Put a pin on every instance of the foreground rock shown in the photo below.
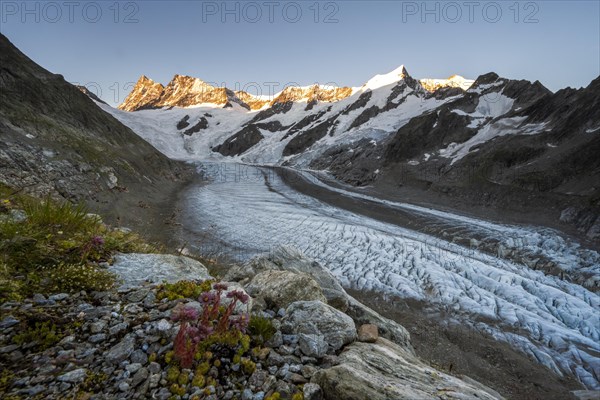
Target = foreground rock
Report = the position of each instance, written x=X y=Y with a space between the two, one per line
x=281 y=288
x=383 y=371
x=118 y=344
x=287 y=258
x=136 y=269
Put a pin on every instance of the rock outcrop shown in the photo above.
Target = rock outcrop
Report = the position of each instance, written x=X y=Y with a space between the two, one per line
x=279 y=289
x=384 y=371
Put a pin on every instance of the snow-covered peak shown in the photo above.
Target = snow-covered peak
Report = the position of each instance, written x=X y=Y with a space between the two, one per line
x=386 y=79
x=458 y=81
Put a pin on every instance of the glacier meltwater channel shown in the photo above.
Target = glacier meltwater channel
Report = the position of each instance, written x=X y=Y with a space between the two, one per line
x=246 y=210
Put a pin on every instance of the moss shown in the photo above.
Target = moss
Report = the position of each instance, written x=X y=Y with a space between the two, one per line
x=94 y=382
x=298 y=396
x=203 y=368
x=6 y=379
x=45 y=334
x=76 y=277
x=177 y=390
x=274 y=396
x=261 y=329
x=152 y=357
x=183 y=379
x=184 y=289
x=169 y=357
x=199 y=380
x=248 y=366
x=173 y=374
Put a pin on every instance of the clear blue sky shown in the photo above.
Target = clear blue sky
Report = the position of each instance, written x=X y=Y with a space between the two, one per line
x=345 y=42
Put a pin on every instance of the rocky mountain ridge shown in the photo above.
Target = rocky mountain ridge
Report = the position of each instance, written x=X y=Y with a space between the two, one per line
x=185 y=91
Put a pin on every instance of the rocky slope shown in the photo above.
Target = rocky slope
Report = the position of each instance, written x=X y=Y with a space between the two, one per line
x=116 y=344
x=57 y=141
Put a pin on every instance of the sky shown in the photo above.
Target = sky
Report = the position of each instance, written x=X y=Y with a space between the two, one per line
x=263 y=46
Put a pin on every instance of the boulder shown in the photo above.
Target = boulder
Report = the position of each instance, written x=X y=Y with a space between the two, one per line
x=281 y=288
x=318 y=318
x=135 y=269
x=385 y=370
x=287 y=258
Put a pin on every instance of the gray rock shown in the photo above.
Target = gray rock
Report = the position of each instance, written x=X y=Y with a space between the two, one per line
x=140 y=376
x=281 y=288
x=59 y=297
x=163 y=394
x=586 y=394
x=318 y=318
x=8 y=349
x=259 y=396
x=135 y=269
x=247 y=394
x=313 y=345
x=39 y=299
x=98 y=338
x=33 y=390
x=257 y=379
x=8 y=321
x=276 y=340
x=275 y=359
x=154 y=367
x=137 y=295
x=139 y=356
x=288 y=258
x=121 y=350
x=133 y=368
x=312 y=391
x=75 y=376
x=115 y=329
x=98 y=326
x=123 y=386
x=163 y=326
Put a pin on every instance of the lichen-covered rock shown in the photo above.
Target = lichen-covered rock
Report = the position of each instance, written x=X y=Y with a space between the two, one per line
x=281 y=288
x=288 y=258
x=318 y=318
x=384 y=370
x=135 y=269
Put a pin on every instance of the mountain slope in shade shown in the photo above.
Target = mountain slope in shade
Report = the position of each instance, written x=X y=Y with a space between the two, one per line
x=57 y=141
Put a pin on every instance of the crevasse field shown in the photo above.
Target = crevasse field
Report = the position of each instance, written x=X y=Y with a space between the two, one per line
x=552 y=320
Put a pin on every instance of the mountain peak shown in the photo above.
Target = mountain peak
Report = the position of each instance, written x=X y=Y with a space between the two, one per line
x=457 y=81
x=143 y=95
x=391 y=77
